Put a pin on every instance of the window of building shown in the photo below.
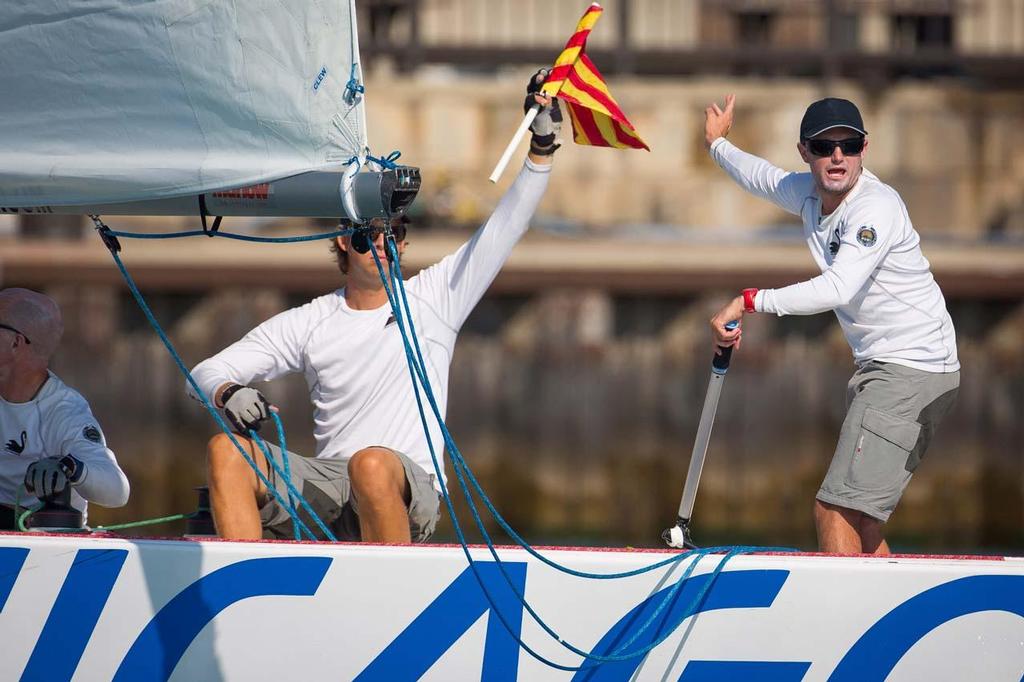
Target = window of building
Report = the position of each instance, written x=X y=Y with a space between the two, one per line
x=915 y=31
x=754 y=28
x=846 y=31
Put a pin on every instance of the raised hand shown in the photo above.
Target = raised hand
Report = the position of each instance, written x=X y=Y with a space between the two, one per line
x=548 y=123
x=718 y=121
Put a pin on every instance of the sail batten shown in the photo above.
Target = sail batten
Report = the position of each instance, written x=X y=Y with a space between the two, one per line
x=112 y=101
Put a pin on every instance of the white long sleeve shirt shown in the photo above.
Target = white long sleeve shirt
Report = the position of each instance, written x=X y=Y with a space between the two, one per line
x=55 y=423
x=873 y=273
x=354 y=361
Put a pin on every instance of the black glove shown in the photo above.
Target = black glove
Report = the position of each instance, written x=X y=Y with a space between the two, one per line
x=548 y=123
x=50 y=475
x=244 y=407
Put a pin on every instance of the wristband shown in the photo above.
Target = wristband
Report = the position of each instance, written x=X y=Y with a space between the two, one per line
x=748 y=300
x=73 y=468
x=542 y=141
x=543 y=145
x=228 y=392
x=545 y=151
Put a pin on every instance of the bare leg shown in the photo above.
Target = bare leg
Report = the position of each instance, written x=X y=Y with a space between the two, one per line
x=234 y=488
x=382 y=491
x=838 y=528
x=871 y=536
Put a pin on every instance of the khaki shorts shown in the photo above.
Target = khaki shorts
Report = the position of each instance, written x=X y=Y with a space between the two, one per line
x=892 y=415
x=325 y=486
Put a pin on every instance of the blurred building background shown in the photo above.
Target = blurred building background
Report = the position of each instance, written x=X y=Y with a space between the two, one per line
x=577 y=383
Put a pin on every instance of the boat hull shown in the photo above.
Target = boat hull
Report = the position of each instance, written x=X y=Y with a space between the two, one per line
x=104 y=608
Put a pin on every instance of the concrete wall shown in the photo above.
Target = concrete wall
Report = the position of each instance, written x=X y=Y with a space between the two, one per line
x=577 y=410
x=980 y=26
x=951 y=152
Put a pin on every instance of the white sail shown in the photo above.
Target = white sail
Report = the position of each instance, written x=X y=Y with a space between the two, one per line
x=127 y=100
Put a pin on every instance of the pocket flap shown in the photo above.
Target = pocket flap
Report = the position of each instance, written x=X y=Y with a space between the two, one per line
x=894 y=429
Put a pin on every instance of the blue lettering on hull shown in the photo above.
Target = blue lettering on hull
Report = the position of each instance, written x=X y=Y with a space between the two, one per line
x=11 y=561
x=73 y=617
x=448 y=617
x=159 y=647
x=730 y=590
x=162 y=643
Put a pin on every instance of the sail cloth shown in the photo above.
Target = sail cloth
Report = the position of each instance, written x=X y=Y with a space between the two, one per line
x=124 y=100
x=596 y=117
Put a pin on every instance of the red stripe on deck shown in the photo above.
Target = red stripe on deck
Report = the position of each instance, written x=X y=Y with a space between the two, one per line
x=550 y=548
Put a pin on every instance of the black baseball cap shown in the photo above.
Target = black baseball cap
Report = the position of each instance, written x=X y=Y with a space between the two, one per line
x=829 y=113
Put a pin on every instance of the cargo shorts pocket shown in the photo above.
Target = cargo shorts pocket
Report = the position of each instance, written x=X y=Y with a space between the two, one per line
x=881 y=459
x=424 y=509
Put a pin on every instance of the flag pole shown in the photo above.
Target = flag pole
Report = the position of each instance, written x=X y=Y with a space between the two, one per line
x=516 y=139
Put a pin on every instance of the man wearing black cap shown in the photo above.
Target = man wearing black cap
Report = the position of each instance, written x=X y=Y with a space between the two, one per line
x=875 y=278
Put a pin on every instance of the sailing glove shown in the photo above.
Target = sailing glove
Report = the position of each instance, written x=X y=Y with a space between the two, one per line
x=244 y=407
x=50 y=475
x=548 y=123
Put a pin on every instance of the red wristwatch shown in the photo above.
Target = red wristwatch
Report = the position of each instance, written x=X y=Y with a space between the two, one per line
x=748 y=300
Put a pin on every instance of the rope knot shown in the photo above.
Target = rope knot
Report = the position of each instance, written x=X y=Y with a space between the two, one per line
x=387 y=161
x=353 y=88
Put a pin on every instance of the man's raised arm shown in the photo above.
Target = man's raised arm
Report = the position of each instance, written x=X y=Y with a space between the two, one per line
x=784 y=189
x=461 y=278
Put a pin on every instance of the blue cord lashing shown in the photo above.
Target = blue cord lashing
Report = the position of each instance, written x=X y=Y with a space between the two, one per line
x=386 y=161
x=353 y=88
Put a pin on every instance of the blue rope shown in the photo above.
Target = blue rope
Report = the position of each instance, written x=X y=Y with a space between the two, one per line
x=460 y=465
x=287 y=470
x=533 y=613
x=417 y=367
x=285 y=460
x=386 y=161
x=231 y=235
x=457 y=455
x=353 y=87
x=220 y=421
x=382 y=161
x=292 y=492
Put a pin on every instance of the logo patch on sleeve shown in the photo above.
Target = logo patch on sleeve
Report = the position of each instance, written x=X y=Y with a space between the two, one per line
x=866 y=235
x=92 y=433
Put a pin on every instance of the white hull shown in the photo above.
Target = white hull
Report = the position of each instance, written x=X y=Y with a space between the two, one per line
x=101 y=609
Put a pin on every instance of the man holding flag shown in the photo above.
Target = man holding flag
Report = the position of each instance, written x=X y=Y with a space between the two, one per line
x=373 y=477
x=596 y=117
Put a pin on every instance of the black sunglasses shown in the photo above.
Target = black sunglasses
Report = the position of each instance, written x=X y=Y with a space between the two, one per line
x=398 y=230
x=363 y=237
x=851 y=146
x=10 y=328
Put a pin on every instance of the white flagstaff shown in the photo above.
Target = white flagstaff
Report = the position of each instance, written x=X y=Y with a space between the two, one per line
x=516 y=139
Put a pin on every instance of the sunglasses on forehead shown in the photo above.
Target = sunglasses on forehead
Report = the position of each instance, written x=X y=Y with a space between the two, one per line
x=851 y=146
x=12 y=329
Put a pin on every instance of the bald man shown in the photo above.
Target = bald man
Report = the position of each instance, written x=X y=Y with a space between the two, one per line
x=49 y=439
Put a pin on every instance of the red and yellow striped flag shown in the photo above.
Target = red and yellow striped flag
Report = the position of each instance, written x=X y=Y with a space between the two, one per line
x=596 y=117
